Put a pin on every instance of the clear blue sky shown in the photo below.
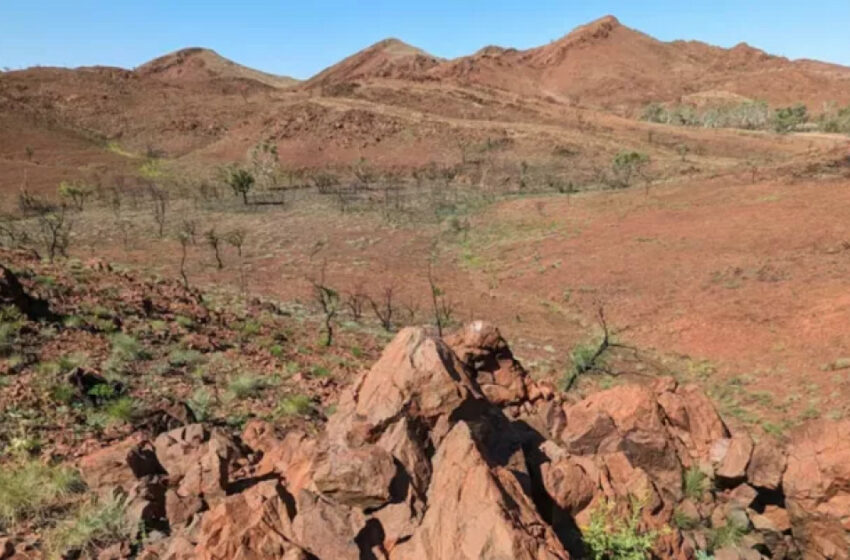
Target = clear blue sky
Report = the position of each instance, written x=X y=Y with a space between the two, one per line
x=300 y=38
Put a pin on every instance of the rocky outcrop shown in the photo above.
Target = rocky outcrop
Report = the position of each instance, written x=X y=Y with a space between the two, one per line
x=448 y=450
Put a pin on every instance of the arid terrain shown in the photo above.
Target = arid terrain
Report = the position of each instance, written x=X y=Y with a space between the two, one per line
x=202 y=261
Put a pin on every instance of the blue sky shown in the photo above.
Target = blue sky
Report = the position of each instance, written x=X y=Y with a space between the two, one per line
x=301 y=38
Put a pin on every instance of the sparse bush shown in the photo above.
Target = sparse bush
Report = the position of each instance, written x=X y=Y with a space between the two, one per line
x=626 y=165
x=201 y=403
x=245 y=386
x=185 y=358
x=92 y=527
x=29 y=488
x=294 y=405
x=385 y=308
x=787 y=119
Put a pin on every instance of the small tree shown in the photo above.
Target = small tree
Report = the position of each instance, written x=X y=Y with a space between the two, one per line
x=77 y=193
x=626 y=165
x=236 y=239
x=241 y=181
x=55 y=230
x=214 y=241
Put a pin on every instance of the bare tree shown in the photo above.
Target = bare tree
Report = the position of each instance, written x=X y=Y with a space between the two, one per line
x=328 y=300
x=441 y=305
x=384 y=308
x=189 y=228
x=184 y=249
x=214 y=241
x=355 y=301
x=159 y=198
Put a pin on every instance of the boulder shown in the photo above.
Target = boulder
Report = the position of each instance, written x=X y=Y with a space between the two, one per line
x=251 y=525
x=417 y=374
x=817 y=477
x=357 y=477
x=119 y=465
x=480 y=346
x=570 y=483
x=767 y=465
x=731 y=457
x=326 y=529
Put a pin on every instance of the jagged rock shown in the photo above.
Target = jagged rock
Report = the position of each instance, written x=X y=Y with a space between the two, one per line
x=417 y=375
x=250 y=525
x=693 y=418
x=817 y=478
x=358 y=477
x=626 y=418
x=731 y=457
x=475 y=512
x=773 y=519
x=325 y=529
x=481 y=347
x=767 y=465
x=120 y=465
x=180 y=449
x=817 y=488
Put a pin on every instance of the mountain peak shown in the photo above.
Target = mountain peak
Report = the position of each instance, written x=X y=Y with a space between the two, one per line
x=193 y=64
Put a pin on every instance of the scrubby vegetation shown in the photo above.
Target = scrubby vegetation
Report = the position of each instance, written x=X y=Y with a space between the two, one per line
x=751 y=115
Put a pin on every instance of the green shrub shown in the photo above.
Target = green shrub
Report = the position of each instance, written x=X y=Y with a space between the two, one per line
x=90 y=528
x=610 y=538
x=626 y=165
x=29 y=488
x=787 y=119
x=294 y=405
x=695 y=483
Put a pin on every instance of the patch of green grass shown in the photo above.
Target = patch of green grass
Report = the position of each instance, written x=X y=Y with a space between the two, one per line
x=29 y=488
x=245 y=385
x=185 y=322
x=276 y=350
x=90 y=528
x=127 y=348
x=729 y=534
x=185 y=358
x=201 y=403
x=683 y=521
x=695 y=483
x=320 y=372
x=115 y=412
x=294 y=405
